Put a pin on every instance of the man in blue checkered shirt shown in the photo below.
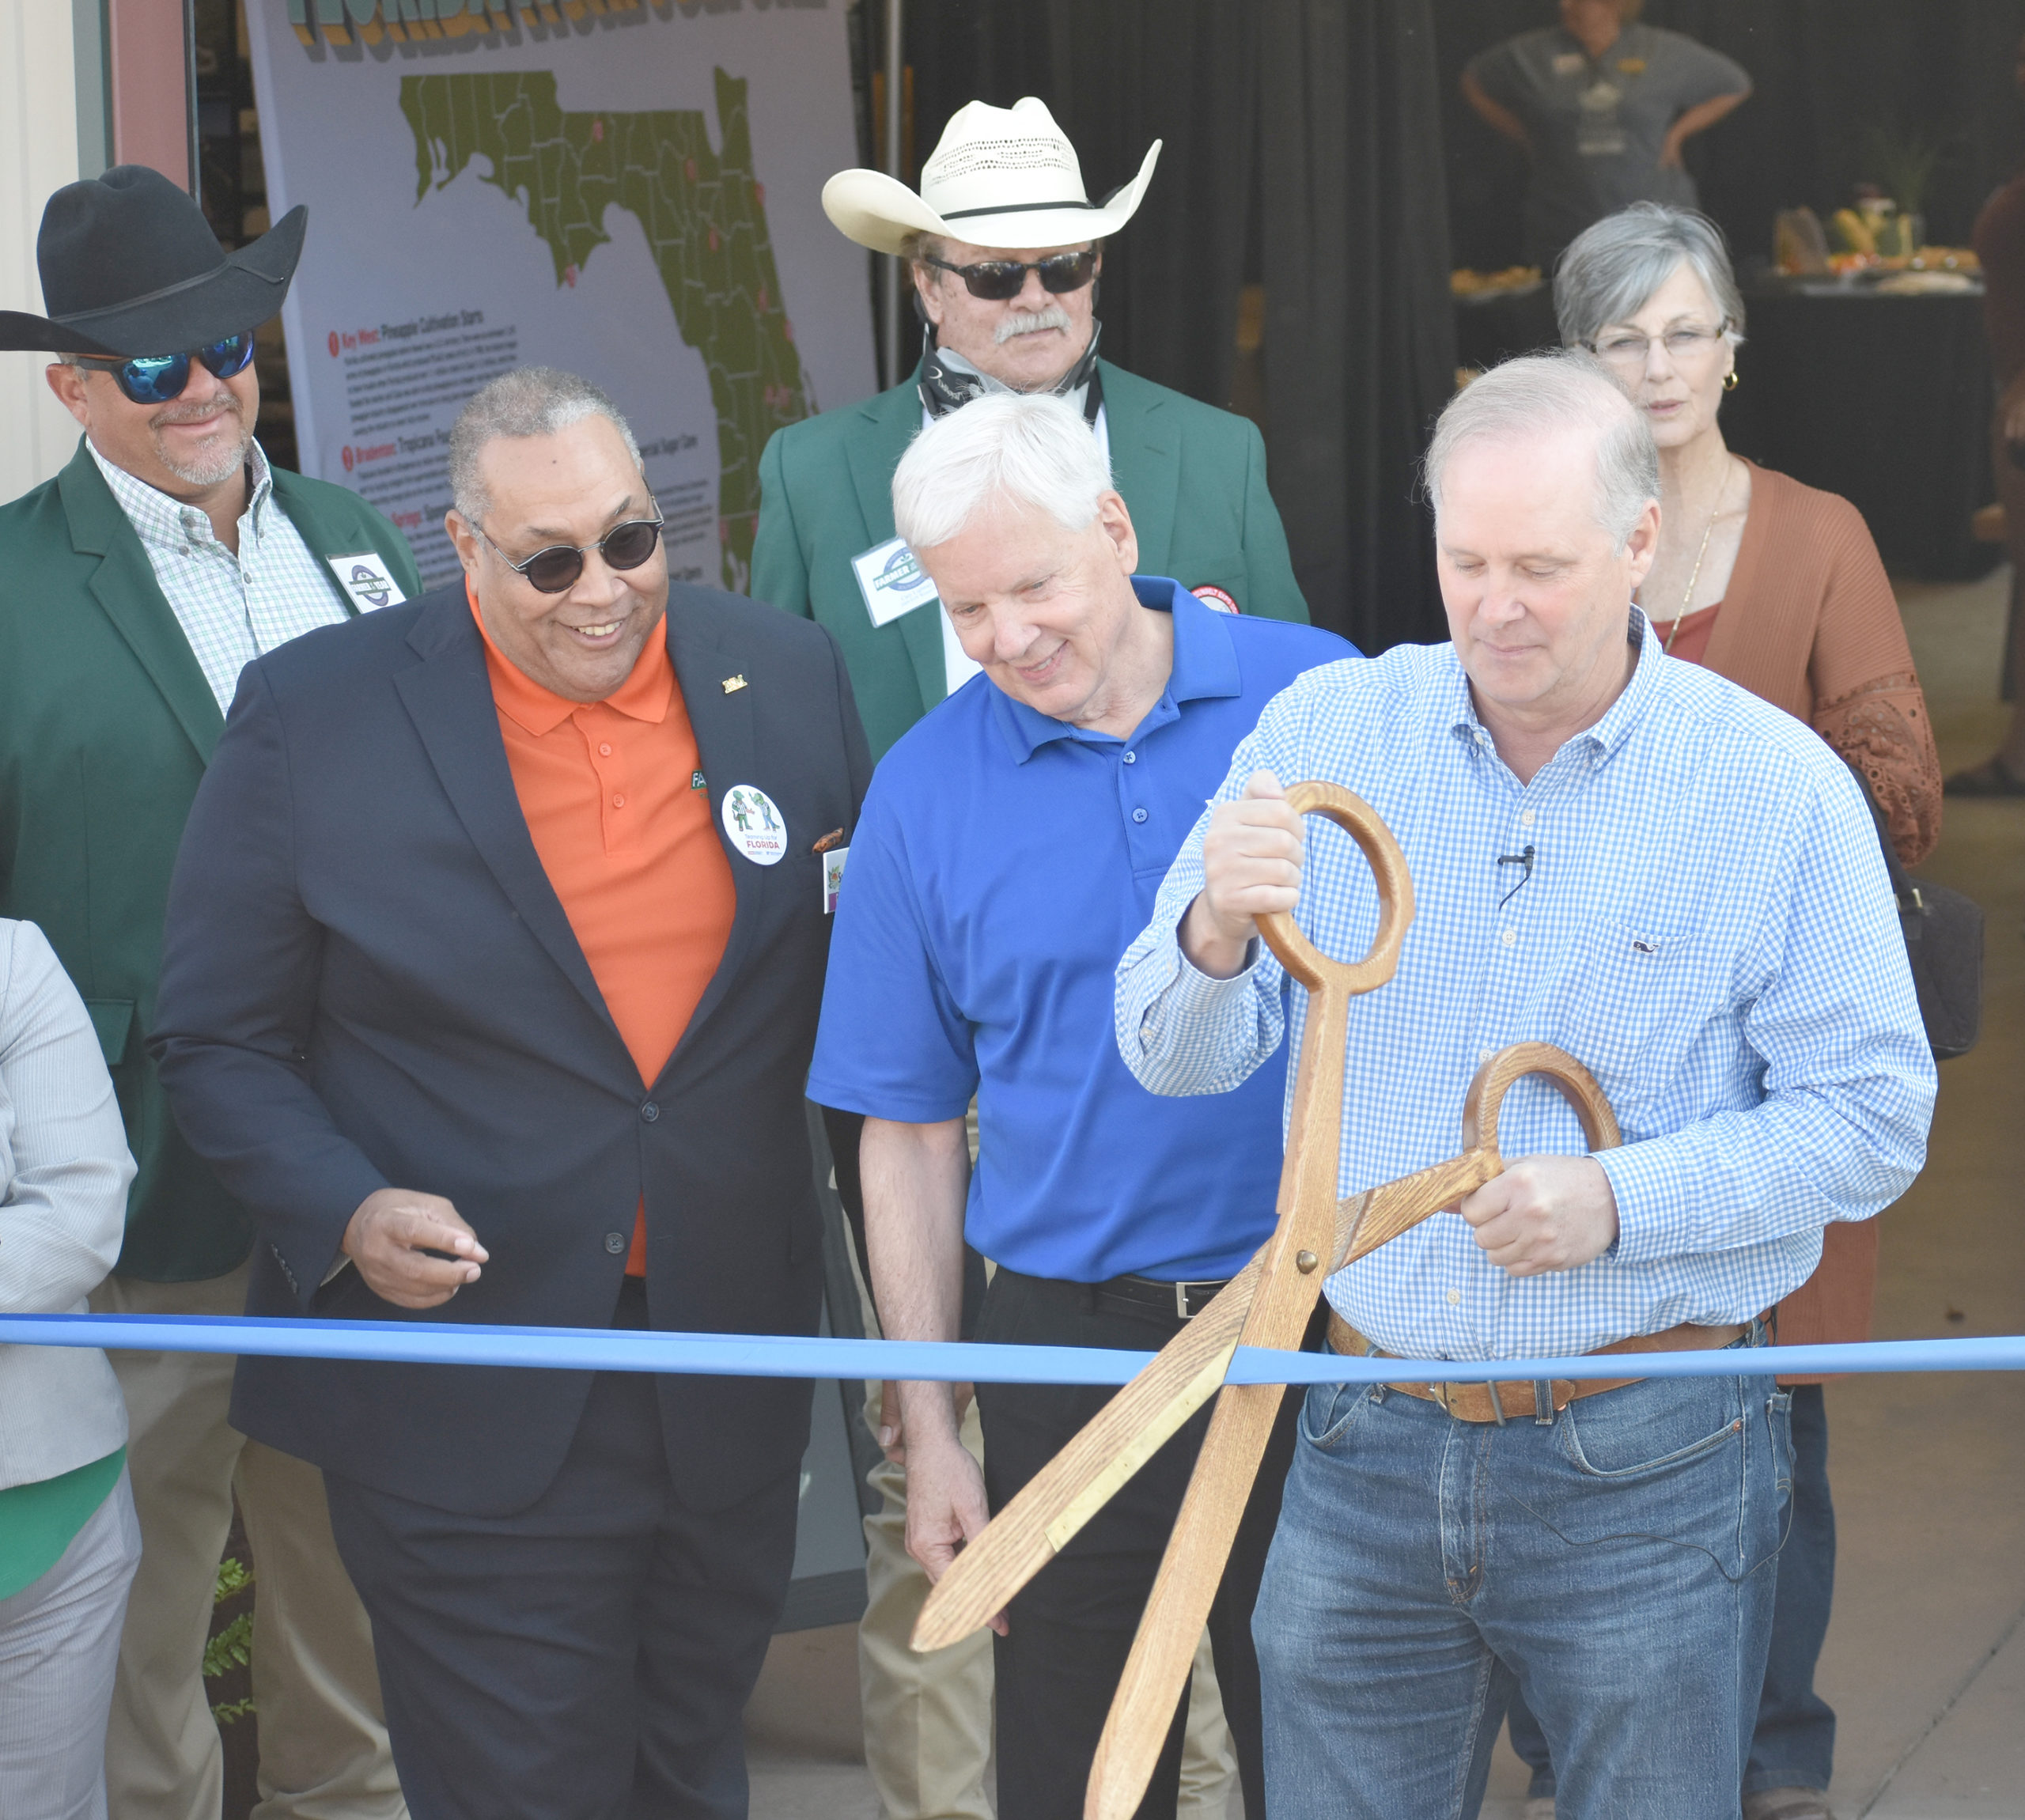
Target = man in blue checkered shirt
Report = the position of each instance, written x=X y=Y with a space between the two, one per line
x=1629 y=856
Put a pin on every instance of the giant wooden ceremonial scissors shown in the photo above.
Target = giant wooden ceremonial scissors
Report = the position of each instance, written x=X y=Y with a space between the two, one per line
x=1268 y=1304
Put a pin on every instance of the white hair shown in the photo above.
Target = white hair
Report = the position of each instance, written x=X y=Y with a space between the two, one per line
x=1034 y=448
x=529 y=401
x=1526 y=399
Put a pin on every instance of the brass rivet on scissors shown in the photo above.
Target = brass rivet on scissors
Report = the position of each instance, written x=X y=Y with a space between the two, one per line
x=1305 y=1262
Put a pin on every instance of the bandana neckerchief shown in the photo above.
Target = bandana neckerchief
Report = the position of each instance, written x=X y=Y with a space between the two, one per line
x=949 y=382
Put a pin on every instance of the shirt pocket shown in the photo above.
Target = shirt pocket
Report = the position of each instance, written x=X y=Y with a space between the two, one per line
x=1630 y=991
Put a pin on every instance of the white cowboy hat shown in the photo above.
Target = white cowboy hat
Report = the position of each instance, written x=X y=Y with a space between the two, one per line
x=1000 y=177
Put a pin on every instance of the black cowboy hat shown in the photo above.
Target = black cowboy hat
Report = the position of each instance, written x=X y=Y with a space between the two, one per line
x=130 y=266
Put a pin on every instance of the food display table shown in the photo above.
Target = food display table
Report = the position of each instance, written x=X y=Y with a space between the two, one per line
x=1884 y=399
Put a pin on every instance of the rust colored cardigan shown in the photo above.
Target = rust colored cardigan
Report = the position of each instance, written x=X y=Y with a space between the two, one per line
x=1809 y=623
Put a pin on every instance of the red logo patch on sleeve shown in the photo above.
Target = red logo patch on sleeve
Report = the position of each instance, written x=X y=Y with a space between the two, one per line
x=1215 y=598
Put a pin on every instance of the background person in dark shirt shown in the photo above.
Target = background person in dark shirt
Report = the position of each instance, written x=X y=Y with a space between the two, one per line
x=1603 y=106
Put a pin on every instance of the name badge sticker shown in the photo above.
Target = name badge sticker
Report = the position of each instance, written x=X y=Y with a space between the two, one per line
x=755 y=824
x=891 y=581
x=365 y=581
x=833 y=877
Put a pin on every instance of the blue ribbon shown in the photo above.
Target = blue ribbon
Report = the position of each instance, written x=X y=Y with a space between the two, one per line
x=783 y=1356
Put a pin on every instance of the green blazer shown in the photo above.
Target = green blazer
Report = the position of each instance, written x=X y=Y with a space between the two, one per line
x=106 y=724
x=1192 y=478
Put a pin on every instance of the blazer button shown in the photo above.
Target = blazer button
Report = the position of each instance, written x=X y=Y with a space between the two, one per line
x=649 y=1111
x=614 y=1242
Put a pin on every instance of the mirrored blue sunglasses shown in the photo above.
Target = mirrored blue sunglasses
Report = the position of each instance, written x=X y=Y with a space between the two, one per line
x=160 y=378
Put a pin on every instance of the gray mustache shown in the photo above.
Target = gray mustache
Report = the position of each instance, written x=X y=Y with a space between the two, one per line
x=1053 y=316
x=181 y=413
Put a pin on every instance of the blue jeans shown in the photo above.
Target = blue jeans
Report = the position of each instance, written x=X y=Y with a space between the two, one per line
x=1615 y=1562
x=1793 y=1746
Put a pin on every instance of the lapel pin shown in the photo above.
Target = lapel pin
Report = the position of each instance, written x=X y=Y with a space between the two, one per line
x=733 y=684
x=833 y=839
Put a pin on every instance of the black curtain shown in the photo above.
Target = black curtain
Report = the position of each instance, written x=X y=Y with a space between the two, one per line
x=1826 y=74
x=1360 y=329
x=1302 y=149
x=1117 y=75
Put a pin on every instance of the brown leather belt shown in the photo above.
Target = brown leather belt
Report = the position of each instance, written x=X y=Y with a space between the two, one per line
x=1500 y=1402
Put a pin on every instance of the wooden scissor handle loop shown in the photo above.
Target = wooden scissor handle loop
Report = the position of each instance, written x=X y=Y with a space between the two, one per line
x=1567 y=1077
x=1299 y=956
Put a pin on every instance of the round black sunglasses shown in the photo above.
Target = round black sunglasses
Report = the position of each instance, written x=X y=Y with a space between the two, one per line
x=555 y=569
x=997 y=280
x=160 y=378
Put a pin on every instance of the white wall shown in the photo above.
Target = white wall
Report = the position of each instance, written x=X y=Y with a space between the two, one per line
x=38 y=155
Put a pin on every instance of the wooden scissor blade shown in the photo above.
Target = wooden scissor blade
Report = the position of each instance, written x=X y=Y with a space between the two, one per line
x=1289 y=1282
x=1025 y=1536
x=1368 y=1220
x=1178 y=1606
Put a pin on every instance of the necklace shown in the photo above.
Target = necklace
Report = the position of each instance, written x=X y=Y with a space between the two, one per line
x=1708 y=530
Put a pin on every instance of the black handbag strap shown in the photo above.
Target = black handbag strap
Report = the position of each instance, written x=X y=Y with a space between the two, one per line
x=1902 y=886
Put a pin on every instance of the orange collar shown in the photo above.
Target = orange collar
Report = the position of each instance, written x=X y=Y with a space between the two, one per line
x=645 y=695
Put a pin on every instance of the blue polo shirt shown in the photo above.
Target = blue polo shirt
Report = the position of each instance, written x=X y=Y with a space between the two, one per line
x=1003 y=863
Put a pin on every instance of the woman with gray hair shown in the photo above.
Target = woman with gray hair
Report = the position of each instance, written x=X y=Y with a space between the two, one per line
x=1779 y=588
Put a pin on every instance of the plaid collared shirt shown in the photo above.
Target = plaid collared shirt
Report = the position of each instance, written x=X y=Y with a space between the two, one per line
x=1707 y=923
x=231 y=608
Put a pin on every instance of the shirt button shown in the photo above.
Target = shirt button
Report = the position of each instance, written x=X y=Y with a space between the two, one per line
x=614 y=1242
x=1509 y=936
x=1484 y=1055
x=1132 y=758
x=1138 y=814
x=605 y=752
x=618 y=802
x=1525 y=816
x=649 y=1111
x=1455 y=1298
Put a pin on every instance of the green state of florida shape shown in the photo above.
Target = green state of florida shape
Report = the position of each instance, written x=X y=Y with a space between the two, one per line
x=705 y=221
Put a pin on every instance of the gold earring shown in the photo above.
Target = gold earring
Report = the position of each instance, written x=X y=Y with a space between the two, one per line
x=1730 y=380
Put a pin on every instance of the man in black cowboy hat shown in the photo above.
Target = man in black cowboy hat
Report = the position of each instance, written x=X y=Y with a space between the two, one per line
x=165 y=556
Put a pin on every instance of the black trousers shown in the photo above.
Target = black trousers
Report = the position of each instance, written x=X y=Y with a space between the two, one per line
x=587 y=1659
x=1072 y=1627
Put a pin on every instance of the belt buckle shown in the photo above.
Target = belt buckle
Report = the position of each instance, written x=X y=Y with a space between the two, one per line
x=1182 y=1310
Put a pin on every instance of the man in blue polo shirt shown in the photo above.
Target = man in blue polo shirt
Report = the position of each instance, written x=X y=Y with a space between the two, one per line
x=1009 y=848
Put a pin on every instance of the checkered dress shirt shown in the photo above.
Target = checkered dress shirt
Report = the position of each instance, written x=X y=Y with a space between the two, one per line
x=231 y=608
x=1708 y=925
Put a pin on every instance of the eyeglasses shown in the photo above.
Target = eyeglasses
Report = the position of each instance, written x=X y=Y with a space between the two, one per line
x=1627 y=353
x=554 y=570
x=160 y=378
x=996 y=280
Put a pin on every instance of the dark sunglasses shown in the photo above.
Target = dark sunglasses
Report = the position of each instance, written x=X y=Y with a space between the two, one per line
x=160 y=378
x=554 y=570
x=996 y=280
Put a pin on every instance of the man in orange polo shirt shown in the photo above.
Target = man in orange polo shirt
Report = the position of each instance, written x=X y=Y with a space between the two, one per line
x=492 y=968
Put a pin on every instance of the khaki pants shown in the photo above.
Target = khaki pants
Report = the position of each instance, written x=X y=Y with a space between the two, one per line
x=324 y=1751
x=928 y=1720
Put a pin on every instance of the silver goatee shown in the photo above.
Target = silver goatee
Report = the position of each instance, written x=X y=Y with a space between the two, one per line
x=221 y=455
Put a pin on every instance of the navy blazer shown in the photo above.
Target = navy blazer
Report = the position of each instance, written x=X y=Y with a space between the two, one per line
x=367 y=981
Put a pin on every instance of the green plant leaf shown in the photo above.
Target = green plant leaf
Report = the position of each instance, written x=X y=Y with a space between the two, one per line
x=233 y=1648
x=234 y=1578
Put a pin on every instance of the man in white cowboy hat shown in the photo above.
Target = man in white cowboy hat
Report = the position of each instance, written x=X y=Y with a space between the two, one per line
x=139 y=582
x=1004 y=249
